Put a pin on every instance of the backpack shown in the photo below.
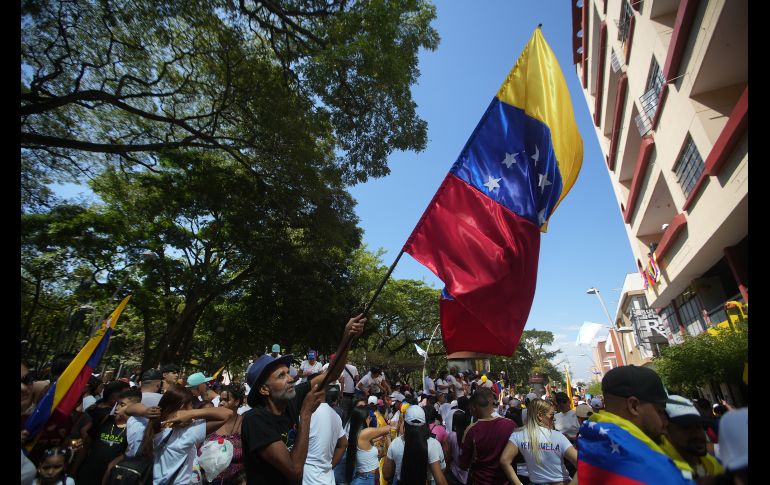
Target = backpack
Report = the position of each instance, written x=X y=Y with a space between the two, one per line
x=136 y=470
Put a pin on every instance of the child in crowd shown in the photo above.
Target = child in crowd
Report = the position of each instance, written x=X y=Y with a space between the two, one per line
x=52 y=469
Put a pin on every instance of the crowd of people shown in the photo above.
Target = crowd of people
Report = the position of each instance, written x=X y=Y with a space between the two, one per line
x=327 y=424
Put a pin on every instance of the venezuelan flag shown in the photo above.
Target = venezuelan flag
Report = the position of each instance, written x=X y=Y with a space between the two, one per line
x=569 y=388
x=63 y=394
x=481 y=232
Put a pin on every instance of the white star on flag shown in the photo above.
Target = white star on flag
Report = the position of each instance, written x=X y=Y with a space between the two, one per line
x=510 y=159
x=541 y=218
x=603 y=431
x=591 y=424
x=536 y=156
x=615 y=447
x=491 y=183
x=543 y=182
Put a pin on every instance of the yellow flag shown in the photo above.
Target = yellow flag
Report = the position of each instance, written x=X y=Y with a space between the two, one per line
x=569 y=388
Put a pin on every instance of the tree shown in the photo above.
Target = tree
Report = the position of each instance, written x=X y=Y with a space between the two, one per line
x=281 y=255
x=705 y=358
x=119 y=81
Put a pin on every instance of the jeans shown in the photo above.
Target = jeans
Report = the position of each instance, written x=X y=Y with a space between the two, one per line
x=366 y=478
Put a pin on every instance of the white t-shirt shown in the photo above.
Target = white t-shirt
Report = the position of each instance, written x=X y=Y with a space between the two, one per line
x=372 y=384
x=28 y=470
x=458 y=386
x=178 y=452
x=88 y=401
x=348 y=383
x=441 y=386
x=435 y=453
x=307 y=369
x=567 y=423
x=553 y=445
x=151 y=399
x=134 y=434
x=325 y=430
x=428 y=386
x=443 y=410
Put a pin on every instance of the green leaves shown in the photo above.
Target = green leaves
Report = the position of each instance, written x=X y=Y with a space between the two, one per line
x=705 y=358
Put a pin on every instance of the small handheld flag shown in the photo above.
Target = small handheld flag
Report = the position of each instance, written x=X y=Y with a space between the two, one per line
x=64 y=393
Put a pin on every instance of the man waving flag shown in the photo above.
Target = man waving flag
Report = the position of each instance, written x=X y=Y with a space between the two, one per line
x=481 y=232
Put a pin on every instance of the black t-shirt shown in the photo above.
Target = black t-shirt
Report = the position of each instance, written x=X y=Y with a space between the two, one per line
x=109 y=441
x=261 y=428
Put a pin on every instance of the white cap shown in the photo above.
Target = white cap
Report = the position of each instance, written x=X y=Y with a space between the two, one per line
x=397 y=396
x=531 y=396
x=372 y=400
x=734 y=439
x=415 y=416
x=453 y=403
x=681 y=410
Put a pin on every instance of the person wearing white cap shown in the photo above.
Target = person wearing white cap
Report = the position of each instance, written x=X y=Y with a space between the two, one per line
x=411 y=456
x=734 y=444
x=685 y=439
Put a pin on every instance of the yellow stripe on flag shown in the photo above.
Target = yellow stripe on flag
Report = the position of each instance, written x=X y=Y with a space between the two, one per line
x=536 y=85
x=216 y=374
x=569 y=389
x=73 y=370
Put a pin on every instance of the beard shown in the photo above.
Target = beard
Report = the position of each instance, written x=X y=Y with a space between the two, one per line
x=287 y=394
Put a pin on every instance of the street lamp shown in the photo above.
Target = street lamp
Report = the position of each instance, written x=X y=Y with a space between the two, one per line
x=595 y=291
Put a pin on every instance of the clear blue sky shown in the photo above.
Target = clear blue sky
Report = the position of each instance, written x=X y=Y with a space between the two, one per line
x=585 y=245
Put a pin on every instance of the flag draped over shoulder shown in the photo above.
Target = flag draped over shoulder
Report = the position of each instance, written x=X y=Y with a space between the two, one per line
x=609 y=454
x=481 y=232
x=63 y=394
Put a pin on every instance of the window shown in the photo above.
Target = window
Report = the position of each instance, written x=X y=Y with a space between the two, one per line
x=668 y=316
x=626 y=14
x=691 y=311
x=689 y=166
x=651 y=96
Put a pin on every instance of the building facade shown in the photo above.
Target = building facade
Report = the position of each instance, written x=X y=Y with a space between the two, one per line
x=666 y=82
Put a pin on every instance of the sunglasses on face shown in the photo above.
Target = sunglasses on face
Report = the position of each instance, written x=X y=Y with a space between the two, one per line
x=28 y=379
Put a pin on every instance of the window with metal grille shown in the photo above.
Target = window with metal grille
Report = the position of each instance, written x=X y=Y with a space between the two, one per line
x=626 y=14
x=668 y=317
x=691 y=311
x=689 y=166
x=651 y=96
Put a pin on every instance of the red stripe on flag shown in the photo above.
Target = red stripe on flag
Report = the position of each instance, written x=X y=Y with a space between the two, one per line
x=588 y=473
x=70 y=400
x=487 y=257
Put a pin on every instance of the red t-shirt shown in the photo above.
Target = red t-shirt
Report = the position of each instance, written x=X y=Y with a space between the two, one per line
x=485 y=441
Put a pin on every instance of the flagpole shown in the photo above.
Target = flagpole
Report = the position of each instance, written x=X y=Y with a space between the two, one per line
x=425 y=359
x=382 y=283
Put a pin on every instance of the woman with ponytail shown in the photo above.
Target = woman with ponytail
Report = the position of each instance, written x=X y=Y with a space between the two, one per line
x=361 y=461
x=543 y=447
x=173 y=449
x=411 y=456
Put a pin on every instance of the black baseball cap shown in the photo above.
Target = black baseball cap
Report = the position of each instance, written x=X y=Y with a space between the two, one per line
x=152 y=375
x=640 y=382
x=169 y=368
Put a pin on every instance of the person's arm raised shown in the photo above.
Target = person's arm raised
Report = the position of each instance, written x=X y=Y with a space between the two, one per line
x=139 y=409
x=291 y=463
x=353 y=329
x=214 y=417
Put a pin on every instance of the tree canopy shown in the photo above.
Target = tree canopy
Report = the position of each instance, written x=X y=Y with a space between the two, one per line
x=705 y=358
x=257 y=82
